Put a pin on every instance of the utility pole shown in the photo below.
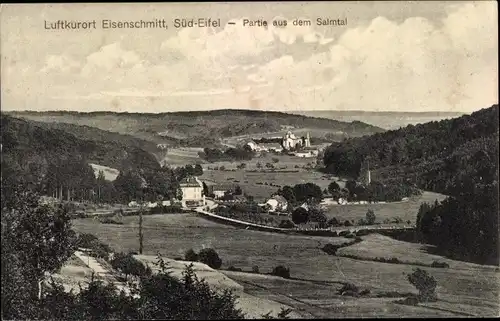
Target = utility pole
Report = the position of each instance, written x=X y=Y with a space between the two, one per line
x=140 y=230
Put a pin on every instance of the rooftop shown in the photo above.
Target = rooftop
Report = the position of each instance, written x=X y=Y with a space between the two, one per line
x=190 y=182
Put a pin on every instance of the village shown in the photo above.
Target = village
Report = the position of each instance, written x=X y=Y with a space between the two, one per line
x=237 y=192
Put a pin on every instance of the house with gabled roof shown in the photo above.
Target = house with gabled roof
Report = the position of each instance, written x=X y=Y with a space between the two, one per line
x=192 y=192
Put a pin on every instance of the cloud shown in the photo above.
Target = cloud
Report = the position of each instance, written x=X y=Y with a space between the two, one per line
x=415 y=64
x=389 y=66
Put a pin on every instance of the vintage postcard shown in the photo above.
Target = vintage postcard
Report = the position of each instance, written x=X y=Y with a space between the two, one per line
x=241 y=160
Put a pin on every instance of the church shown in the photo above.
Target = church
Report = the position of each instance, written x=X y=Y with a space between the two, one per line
x=290 y=141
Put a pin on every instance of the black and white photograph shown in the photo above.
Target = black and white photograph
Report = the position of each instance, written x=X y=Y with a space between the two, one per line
x=249 y=160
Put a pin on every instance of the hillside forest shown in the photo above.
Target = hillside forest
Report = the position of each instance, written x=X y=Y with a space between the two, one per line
x=457 y=157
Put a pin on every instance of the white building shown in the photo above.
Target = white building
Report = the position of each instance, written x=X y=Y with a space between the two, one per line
x=291 y=141
x=277 y=203
x=256 y=147
x=192 y=192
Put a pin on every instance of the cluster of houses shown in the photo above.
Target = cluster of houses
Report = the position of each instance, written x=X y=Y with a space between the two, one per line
x=289 y=142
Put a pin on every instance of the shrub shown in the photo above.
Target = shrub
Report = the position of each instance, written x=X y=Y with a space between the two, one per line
x=347 y=223
x=437 y=264
x=349 y=289
x=333 y=222
x=96 y=247
x=364 y=292
x=191 y=255
x=425 y=284
x=255 y=269
x=233 y=268
x=330 y=248
x=397 y=220
x=128 y=265
x=281 y=271
x=300 y=215
x=210 y=258
x=370 y=217
x=286 y=224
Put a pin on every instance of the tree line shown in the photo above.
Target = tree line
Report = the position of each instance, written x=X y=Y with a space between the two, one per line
x=230 y=154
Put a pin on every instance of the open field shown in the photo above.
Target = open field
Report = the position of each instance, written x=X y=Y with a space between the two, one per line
x=405 y=210
x=472 y=289
x=173 y=234
x=254 y=183
x=110 y=174
x=183 y=156
x=380 y=246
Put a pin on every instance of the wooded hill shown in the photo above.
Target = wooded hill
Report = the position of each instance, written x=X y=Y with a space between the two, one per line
x=434 y=155
x=197 y=129
x=34 y=145
x=457 y=157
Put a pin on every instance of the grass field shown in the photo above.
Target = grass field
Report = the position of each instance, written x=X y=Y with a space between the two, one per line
x=405 y=210
x=318 y=275
x=254 y=183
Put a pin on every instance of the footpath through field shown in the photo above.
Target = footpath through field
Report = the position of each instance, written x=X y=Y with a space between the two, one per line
x=101 y=271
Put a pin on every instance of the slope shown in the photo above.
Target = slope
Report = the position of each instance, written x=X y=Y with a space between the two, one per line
x=433 y=155
x=197 y=129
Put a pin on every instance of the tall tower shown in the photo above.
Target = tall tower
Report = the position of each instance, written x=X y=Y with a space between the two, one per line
x=308 y=140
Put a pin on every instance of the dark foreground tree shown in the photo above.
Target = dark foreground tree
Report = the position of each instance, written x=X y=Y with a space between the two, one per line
x=158 y=296
x=36 y=239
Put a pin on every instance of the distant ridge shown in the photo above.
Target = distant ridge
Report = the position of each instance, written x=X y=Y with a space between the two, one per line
x=199 y=128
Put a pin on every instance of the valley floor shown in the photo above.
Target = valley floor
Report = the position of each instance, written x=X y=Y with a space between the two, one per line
x=464 y=289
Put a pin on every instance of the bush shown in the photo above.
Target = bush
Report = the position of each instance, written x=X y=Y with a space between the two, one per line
x=96 y=247
x=397 y=220
x=370 y=217
x=191 y=255
x=425 y=284
x=330 y=248
x=210 y=258
x=255 y=269
x=300 y=215
x=437 y=264
x=349 y=289
x=286 y=224
x=347 y=223
x=333 y=222
x=128 y=265
x=281 y=271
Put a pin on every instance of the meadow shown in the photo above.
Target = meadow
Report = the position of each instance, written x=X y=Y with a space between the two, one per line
x=406 y=210
x=263 y=183
x=473 y=289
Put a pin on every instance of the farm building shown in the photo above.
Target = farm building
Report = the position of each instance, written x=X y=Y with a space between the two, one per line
x=256 y=147
x=273 y=147
x=192 y=192
x=219 y=189
x=277 y=203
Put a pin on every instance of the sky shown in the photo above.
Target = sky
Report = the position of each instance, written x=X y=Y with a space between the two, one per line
x=390 y=56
